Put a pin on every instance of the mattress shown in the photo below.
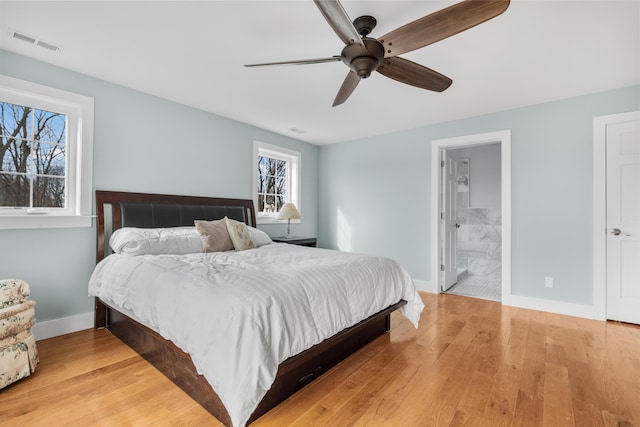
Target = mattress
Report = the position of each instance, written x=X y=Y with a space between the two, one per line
x=239 y=314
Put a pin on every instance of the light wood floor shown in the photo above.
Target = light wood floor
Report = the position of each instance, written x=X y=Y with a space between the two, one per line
x=471 y=362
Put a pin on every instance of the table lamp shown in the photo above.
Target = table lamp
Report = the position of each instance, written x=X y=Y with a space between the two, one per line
x=288 y=212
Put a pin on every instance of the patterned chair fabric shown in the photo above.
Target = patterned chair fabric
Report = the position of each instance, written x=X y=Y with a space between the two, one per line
x=18 y=352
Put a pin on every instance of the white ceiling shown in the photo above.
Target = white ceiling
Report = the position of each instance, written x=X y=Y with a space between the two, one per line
x=193 y=53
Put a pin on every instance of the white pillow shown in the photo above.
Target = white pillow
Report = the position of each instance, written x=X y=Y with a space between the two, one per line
x=156 y=241
x=259 y=237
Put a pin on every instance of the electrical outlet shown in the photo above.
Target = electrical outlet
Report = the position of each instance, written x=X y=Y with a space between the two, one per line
x=548 y=282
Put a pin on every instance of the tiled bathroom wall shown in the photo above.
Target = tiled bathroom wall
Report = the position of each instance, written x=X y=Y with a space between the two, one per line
x=479 y=236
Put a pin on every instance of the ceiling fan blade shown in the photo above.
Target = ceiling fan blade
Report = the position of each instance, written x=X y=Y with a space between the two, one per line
x=348 y=86
x=338 y=19
x=300 y=62
x=413 y=74
x=440 y=25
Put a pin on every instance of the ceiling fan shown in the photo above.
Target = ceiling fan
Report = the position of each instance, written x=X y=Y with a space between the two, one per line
x=364 y=55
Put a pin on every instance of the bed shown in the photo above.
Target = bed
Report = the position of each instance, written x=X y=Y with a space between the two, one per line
x=188 y=365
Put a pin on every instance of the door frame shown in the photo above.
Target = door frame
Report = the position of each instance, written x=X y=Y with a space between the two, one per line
x=437 y=146
x=600 y=124
x=449 y=224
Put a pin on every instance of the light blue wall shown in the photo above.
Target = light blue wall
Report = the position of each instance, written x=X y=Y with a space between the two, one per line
x=375 y=193
x=142 y=143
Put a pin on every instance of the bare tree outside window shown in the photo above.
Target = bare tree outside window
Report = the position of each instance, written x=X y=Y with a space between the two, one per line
x=33 y=153
x=272 y=184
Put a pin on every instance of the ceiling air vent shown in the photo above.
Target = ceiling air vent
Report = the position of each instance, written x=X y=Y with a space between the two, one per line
x=33 y=40
x=23 y=37
x=46 y=45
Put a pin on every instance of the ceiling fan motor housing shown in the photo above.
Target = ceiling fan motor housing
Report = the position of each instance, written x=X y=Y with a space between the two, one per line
x=363 y=60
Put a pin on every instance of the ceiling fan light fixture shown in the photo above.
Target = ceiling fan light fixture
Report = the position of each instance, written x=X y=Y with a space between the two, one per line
x=363 y=66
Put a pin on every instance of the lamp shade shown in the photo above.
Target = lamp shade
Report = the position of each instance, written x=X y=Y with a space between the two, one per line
x=288 y=211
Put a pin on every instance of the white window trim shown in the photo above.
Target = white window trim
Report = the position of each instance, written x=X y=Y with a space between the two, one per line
x=79 y=111
x=295 y=160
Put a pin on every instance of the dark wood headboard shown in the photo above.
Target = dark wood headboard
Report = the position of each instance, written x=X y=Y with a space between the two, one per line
x=116 y=209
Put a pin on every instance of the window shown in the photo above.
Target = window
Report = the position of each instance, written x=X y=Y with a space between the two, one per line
x=276 y=178
x=46 y=151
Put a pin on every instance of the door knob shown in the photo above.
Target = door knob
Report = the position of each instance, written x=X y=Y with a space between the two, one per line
x=616 y=231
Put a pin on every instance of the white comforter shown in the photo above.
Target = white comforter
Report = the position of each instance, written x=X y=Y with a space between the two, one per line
x=240 y=314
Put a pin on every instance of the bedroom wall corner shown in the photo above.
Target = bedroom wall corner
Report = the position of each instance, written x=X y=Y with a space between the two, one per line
x=425 y=286
x=374 y=195
x=373 y=198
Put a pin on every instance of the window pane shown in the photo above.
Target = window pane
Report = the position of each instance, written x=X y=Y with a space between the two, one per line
x=266 y=165
x=50 y=159
x=270 y=203
x=262 y=184
x=263 y=165
x=281 y=186
x=16 y=155
x=8 y=162
x=50 y=127
x=270 y=185
x=273 y=166
x=280 y=200
x=48 y=192
x=14 y=190
x=15 y=121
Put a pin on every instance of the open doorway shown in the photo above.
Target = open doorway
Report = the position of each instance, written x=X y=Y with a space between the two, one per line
x=478 y=216
x=471 y=215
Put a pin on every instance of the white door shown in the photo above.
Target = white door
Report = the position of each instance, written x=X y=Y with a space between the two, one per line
x=449 y=219
x=623 y=221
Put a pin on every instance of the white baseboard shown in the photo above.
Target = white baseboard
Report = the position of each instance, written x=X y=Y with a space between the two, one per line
x=550 y=306
x=64 y=325
x=424 y=286
x=558 y=307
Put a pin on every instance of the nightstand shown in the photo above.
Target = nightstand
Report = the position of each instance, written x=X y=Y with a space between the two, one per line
x=295 y=240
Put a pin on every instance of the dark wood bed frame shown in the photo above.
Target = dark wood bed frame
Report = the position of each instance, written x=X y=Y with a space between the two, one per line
x=129 y=209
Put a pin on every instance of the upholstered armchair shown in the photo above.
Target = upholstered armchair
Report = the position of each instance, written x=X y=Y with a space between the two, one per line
x=18 y=352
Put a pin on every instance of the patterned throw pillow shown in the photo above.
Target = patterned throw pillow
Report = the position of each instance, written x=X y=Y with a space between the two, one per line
x=240 y=235
x=214 y=234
